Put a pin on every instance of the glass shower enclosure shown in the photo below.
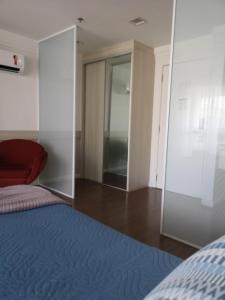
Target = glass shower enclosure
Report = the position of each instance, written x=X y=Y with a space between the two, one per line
x=194 y=194
x=57 y=72
x=117 y=104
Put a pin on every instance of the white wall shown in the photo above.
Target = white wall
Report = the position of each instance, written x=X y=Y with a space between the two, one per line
x=162 y=58
x=18 y=93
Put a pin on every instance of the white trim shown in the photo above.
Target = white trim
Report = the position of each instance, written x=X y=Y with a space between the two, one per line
x=169 y=96
x=74 y=111
x=57 y=33
x=180 y=240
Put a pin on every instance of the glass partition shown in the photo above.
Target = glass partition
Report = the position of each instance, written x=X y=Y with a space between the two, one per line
x=117 y=121
x=57 y=110
x=194 y=196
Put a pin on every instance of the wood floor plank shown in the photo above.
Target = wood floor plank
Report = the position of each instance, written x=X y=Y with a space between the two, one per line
x=136 y=214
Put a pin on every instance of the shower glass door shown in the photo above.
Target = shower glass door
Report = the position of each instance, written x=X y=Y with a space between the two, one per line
x=117 y=104
x=194 y=195
x=57 y=61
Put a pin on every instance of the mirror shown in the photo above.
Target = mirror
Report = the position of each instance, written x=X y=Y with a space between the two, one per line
x=117 y=102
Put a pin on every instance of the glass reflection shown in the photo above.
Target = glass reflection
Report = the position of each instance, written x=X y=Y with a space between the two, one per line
x=117 y=121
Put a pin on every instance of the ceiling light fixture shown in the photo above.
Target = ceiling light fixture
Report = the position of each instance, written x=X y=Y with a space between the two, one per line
x=138 y=21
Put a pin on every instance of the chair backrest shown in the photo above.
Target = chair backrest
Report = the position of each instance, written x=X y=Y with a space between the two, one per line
x=20 y=152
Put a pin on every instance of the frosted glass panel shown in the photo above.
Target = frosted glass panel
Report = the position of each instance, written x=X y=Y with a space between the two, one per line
x=56 y=106
x=194 y=200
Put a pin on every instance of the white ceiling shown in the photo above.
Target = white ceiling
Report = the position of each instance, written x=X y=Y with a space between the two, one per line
x=106 y=21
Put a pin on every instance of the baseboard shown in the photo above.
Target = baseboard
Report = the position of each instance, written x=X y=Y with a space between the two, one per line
x=18 y=134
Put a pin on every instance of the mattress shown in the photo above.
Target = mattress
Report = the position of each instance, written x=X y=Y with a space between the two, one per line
x=55 y=252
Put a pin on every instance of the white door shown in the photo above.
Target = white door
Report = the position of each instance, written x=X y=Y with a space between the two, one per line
x=164 y=105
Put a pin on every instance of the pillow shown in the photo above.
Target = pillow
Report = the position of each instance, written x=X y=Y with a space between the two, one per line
x=202 y=276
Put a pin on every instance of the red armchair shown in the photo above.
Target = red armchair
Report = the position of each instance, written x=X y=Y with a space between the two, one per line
x=21 y=161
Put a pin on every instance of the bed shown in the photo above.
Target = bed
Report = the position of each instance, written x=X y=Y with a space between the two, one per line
x=50 y=251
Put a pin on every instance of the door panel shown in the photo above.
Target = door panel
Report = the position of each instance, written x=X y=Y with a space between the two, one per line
x=57 y=110
x=117 y=121
x=94 y=120
x=194 y=196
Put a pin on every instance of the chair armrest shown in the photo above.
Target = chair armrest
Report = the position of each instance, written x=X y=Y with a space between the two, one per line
x=1 y=160
x=37 y=166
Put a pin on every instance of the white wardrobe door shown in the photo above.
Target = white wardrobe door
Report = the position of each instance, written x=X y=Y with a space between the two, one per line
x=94 y=120
x=57 y=110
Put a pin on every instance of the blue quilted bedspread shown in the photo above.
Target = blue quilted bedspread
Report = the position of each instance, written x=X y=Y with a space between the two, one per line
x=55 y=252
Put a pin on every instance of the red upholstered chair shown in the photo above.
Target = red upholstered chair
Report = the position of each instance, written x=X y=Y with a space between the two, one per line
x=21 y=161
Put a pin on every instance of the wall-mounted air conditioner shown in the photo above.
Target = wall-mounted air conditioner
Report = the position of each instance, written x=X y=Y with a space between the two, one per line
x=11 y=61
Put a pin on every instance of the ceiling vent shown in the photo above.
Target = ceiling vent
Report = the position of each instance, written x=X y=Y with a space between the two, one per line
x=138 y=21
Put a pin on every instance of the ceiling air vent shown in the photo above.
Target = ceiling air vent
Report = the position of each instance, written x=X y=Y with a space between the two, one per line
x=138 y=21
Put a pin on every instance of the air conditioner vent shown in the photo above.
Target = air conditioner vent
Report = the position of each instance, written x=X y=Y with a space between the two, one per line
x=11 y=61
x=10 y=69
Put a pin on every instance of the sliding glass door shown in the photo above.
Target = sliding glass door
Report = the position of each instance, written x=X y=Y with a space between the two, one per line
x=194 y=196
x=117 y=103
x=57 y=110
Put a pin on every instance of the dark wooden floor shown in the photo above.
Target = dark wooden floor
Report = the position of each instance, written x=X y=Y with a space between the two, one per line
x=137 y=214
